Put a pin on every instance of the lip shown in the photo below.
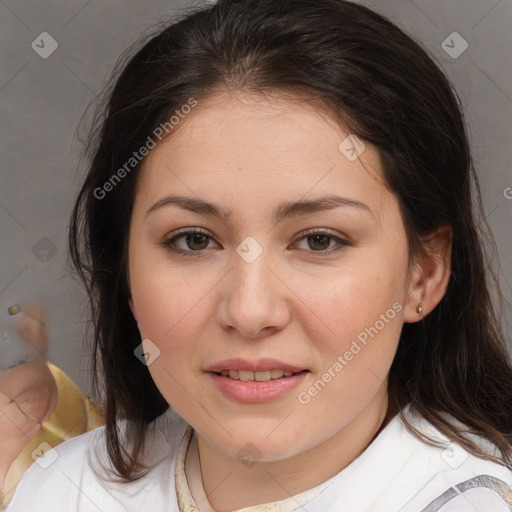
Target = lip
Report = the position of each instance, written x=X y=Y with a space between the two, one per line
x=254 y=391
x=260 y=365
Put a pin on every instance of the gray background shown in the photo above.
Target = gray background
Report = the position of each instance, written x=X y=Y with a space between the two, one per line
x=43 y=100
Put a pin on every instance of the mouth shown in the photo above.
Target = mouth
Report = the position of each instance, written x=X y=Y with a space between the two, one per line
x=261 y=376
x=255 y=382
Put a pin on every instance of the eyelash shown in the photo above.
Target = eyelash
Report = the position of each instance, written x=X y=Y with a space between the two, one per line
x=309 y=232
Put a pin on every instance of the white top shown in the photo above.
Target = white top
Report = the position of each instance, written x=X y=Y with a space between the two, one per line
x=396 y=473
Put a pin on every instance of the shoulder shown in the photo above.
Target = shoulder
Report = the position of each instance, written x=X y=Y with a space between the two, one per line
x=72 y=476
x=447 y=477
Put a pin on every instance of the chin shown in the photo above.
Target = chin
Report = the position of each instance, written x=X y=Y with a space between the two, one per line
x=258 y=447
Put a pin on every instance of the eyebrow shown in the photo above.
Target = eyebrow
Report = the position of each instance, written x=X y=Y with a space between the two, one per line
x=284 y=210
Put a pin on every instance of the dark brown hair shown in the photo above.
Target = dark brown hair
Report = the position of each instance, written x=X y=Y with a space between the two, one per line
x=380 y=83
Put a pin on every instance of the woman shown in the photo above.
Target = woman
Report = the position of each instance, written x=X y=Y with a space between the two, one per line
x=277 y=236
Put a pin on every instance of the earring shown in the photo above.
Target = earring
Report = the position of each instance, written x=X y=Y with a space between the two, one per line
x=420 y=310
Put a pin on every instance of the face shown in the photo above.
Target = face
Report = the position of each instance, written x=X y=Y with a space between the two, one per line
x=316 y=289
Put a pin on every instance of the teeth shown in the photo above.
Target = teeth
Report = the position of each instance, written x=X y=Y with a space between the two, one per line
x=247 y=375
x=263 y=376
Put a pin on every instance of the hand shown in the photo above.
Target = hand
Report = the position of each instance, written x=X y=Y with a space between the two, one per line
x=28 y=393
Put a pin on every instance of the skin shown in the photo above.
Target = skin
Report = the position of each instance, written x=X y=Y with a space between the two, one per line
x=247 y=154
x=28 y=393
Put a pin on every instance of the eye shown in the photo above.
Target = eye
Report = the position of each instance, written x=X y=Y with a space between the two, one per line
x=196 y=240
x=320 y=239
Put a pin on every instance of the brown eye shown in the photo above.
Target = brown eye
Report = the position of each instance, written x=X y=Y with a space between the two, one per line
x=194 y=241
x=320 y=241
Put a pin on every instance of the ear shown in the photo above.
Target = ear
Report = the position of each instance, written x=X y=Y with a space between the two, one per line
x=430 y=275
x=133 y=309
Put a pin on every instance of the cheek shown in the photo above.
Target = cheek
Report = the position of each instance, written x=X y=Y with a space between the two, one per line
x=354 y=299
x=166 y=313
x=171 y=312
x=357 y=341
x=171 y=303
x=355 y=320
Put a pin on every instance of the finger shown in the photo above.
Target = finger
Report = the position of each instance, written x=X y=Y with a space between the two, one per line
x=32 y=387
x=36 y=311
x=33 y=332
x=13 y=420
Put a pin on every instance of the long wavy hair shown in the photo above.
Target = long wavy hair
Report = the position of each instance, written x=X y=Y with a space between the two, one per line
x=369 y=75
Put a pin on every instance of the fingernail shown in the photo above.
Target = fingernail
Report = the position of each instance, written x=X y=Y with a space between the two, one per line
x=14 y=310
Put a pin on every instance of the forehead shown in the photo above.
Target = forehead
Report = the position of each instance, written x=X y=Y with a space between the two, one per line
x=280 y=144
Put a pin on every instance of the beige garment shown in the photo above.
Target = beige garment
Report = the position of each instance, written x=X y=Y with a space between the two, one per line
x=190 y=491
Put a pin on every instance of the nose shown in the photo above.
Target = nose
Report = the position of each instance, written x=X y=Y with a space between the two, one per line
x=255 y=301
